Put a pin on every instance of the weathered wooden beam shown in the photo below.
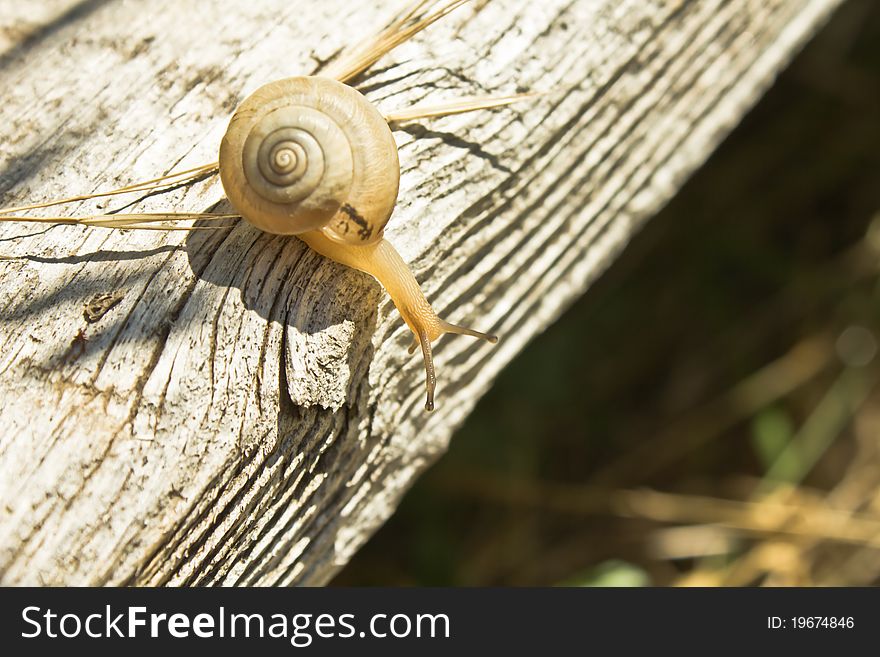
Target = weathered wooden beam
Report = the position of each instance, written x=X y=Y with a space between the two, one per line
x=230 y=408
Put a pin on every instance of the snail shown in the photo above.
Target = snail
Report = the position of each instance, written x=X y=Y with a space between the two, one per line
x=311 y=156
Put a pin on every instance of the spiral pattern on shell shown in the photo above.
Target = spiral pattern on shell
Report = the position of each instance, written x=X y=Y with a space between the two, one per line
x=311 y=153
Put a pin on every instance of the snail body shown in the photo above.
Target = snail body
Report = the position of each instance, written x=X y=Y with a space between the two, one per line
x=312 y=157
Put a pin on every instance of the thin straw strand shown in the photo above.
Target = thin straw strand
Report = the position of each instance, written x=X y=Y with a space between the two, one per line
x=360 y=57
x=457 y=107
x=143 y=221
x=171 y=180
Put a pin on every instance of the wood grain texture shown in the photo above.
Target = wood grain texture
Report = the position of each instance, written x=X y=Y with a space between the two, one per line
x=245 y=412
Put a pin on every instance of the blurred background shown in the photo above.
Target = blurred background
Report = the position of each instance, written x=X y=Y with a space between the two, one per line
x=709 y=412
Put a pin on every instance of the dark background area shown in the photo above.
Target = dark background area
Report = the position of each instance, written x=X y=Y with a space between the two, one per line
x=708 y=413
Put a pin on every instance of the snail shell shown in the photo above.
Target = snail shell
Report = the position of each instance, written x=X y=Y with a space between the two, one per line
x=311 y=153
